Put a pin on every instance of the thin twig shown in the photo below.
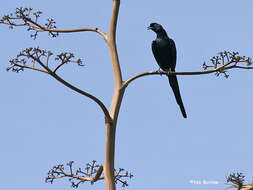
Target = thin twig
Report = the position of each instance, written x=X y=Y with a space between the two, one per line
x=98 y=174
x=32 y=68
x=59 y=66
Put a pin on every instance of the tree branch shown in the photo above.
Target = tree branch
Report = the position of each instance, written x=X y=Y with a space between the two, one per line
x=127 y=82
x=101 y=105
x=75 y=177
x=78 y=30
x=21 y=67
x=98 y=174
x=36 y=54
x=24 y=15
x=232 y=62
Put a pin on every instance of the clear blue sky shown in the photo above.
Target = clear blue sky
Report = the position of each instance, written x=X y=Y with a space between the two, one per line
x=44 y=123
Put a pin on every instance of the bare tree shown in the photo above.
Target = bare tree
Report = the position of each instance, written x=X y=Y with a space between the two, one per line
x=39 y=60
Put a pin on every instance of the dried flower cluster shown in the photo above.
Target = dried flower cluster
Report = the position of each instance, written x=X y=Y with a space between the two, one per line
x=227 y=60
x=237 y=181
x=236 y=178
x=121 y=173
x=37 y=59
x=25 y=17
x=92 y=173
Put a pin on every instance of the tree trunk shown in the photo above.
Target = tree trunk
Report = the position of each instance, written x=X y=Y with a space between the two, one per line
x=116 y=101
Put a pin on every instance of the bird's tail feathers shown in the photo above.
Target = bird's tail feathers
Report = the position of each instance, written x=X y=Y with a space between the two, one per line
x=174 y=85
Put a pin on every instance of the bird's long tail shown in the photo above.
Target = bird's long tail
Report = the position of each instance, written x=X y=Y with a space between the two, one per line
x=174 y=85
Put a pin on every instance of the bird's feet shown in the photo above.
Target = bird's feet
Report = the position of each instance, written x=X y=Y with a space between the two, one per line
x=159 y=71
x=169 y=71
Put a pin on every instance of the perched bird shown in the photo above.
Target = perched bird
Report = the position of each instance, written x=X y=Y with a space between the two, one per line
x=165 y=53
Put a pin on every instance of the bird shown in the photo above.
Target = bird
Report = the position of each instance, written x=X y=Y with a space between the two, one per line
x=165 y=53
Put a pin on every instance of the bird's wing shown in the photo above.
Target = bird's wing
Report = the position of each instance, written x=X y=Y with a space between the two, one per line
x=155 y=52
x=173 y=54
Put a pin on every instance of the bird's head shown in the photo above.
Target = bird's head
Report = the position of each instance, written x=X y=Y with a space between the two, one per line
x=155 y=27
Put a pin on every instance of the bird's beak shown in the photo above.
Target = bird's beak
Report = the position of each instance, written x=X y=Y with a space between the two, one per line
x=149 y=28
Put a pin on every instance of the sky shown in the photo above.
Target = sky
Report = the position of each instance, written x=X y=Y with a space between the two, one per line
x=43 y=123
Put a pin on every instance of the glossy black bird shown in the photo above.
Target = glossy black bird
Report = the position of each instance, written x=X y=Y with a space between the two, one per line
x=165 y=53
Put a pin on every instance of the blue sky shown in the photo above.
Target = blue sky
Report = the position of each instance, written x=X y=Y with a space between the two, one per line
x=43 y=123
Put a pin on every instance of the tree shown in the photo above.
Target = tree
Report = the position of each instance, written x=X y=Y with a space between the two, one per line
x=38 y=59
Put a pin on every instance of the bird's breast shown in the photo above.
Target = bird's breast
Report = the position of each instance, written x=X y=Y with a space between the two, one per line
x=164 y=54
